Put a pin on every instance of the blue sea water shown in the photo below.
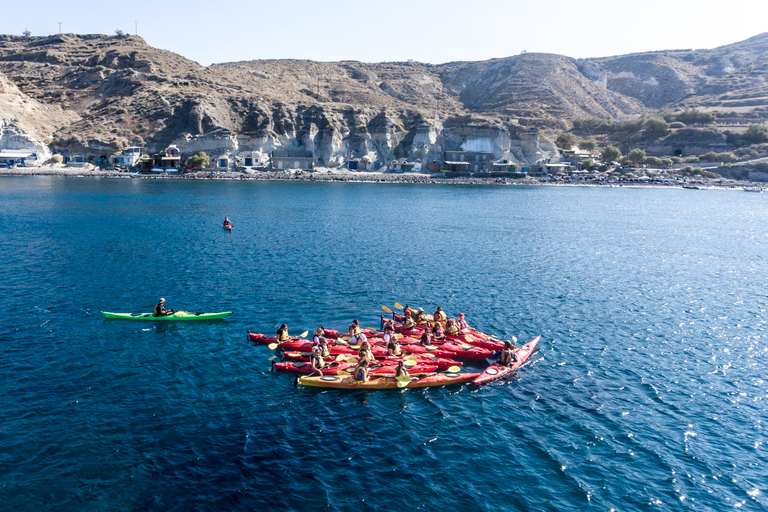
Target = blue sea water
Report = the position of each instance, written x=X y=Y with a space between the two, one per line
x=648 y=391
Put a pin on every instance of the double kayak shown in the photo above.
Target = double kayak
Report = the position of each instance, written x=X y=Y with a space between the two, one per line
x=496 y=371
x=386 y=382
x=179 y=315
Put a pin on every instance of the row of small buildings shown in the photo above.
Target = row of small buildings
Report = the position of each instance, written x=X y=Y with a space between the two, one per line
x=458 y=162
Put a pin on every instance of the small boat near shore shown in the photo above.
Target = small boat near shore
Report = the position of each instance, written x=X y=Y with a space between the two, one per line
x=177 y=316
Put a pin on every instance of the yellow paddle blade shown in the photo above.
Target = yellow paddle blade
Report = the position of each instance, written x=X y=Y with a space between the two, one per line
x=398 y=305
x=351 y=360
x=514 y=339
x=467 y=337
x=399 y=335
x=465 y=346
x=341 y=357
x=341 y=341
x=430 y=347
x=454 y=369
x=304 y=334
x=342 y=373
x=345 y=338
x=385 y=308
x=273 y=346
x=409 y=363
x=403 y=381
x=355 y=347
x=410 y=356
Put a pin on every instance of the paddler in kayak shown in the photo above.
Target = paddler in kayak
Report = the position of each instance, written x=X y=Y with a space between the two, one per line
x=160 y=309
x=227 y=223
x=317 y=335
x=507 y=356
x=325 y=350
x=400 y=371
x=408 y=322
x=452 y=327
x=438 y=333
x=421 y=317
x=463 y=323
x=439 y=316
x=425 y=339
x=361 y=371
x=393 y=344
x=365 y=352
x=282 y=333
x=317 y=360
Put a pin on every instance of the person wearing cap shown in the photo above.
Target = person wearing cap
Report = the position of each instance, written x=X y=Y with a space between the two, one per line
x=462 y=323
x=421 y=317
x=507 y=356
x=408 y=322
x=160 y=309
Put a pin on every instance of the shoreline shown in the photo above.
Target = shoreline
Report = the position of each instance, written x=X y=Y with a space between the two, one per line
x=329 y=175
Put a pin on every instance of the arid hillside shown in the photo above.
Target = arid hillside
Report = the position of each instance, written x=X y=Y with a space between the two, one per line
x=92 y=93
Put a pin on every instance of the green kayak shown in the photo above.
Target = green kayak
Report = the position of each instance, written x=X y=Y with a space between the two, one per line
x=179 y=315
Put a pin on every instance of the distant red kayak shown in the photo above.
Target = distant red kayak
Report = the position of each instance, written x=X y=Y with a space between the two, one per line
x=496 y=371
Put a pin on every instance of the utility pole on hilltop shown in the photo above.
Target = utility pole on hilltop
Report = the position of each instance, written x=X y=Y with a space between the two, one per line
x=59 y=27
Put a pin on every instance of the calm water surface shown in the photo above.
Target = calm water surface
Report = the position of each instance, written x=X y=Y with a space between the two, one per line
x=648 y=392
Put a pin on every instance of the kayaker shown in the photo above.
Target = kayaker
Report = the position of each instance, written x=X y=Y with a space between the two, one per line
x=400 y=371
x=507 y=356
x=462 y=323
x=361 y=371
x=408 y=322
x=452 y=327
x=365 y=352
x=393 y=344
x=325 y=350
x=227 y=223
x=317 y=335
x=439 y=316
x=425 y=339
x=354 y=329
x=282 y=333
x=438 y=332
x=421 y=317
x=160 y=309
x=317 y=361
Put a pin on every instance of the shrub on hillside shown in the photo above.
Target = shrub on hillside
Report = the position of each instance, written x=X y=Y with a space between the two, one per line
x=199 y=160
x=588 y=145
x=565 y=140
x=757 y=133
x=611 y=154
x=655 y=124
x=693 y=116
x=636 y=156
x=57 y=159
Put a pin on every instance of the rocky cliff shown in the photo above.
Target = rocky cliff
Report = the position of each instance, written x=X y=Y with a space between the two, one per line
x=91 y=93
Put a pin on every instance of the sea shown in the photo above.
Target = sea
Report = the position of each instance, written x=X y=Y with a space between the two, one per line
x=648 y=391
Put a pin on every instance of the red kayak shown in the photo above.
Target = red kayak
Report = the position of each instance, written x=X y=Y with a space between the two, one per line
x=337 y=366
x=496 y=370
x=228 y=227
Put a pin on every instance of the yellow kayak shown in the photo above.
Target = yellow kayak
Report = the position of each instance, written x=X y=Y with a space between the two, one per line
x=386 y=382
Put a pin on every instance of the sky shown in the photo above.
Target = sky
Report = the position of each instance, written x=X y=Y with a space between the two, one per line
x=428 y=31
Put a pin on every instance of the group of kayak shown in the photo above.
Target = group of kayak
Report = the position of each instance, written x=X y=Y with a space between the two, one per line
x=409 y=350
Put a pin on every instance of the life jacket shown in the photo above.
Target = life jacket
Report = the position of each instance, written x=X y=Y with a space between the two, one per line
x=160 y=310
x=440 y=317
x=451 y=328
x=409 y=323
x=421 y=319
x=282 y=335
x=506 y=357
